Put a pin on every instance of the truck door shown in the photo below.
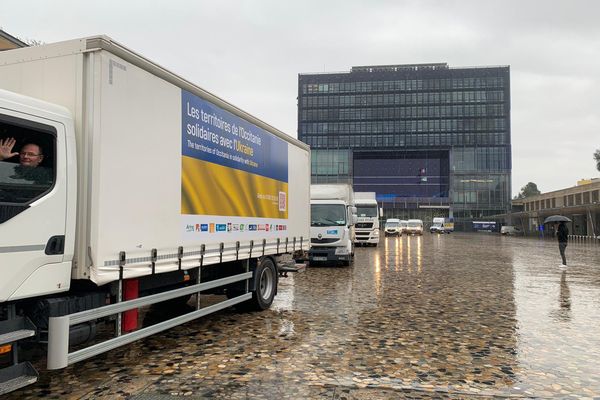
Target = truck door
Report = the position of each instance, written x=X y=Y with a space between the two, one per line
x=33 y=206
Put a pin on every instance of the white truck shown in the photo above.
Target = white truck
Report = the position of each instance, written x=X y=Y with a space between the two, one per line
x=332 y=216
x=124 y=186
x=441 y=225
x=367 y=225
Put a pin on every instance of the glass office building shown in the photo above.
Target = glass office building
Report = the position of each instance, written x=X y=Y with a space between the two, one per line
x=429 y=139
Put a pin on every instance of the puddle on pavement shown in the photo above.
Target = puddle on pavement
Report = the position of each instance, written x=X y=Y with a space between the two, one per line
x=459 y=314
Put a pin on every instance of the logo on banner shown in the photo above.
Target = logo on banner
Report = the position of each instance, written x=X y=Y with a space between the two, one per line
x=212 y=228
x=221 y=228
x=204 y=227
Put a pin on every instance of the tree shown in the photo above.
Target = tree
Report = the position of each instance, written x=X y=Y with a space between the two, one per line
x=597 y=158
x=530 y=189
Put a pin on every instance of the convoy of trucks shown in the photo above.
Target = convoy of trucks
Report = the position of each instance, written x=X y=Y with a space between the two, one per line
x=367 y=225
x=148 y=189
x=333 y=216
x=122 y=185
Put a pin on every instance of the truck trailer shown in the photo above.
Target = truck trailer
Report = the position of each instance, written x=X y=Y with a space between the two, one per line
x=123 y=185
x=333 y=216
x=367 y=225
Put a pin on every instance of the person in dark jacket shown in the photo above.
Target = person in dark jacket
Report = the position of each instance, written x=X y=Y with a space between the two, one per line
x=563 y=238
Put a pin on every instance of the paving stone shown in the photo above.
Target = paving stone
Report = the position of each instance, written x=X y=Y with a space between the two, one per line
x=453 y=316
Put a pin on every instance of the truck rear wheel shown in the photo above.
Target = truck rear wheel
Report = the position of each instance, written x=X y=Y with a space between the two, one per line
x=265 y=277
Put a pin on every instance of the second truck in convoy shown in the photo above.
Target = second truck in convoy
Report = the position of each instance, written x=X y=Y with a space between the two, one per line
x=332 y=216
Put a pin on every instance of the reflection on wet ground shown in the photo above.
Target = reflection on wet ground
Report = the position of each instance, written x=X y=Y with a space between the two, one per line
x=447 y=316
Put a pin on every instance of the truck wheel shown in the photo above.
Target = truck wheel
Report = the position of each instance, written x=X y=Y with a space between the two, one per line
x=265 y=276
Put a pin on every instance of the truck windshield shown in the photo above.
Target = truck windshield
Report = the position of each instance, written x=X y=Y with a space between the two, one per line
x=327 y=214
x=366 y=210
x=392 y=224
x=414 y=224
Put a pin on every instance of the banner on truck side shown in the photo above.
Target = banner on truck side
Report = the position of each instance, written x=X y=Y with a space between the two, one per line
x=234 y=175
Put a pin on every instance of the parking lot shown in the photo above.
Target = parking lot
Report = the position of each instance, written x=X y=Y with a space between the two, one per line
x=449 y=316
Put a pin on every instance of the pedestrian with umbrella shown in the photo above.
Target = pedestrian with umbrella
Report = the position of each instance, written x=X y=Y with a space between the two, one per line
x=562 y=235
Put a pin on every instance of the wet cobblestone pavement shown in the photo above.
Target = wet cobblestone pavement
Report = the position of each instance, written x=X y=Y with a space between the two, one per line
x=451 y=316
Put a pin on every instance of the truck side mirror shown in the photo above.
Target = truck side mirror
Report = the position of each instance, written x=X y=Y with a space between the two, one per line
x=352 y=217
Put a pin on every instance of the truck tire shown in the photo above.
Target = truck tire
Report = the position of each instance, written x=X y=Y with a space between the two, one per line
x=265 y=276
x=266 y=285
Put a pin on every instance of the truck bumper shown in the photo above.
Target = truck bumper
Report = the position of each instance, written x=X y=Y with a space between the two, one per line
x=368 y=237
x=326 y=254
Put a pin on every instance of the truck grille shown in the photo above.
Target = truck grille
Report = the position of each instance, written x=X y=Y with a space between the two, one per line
x=364 y=225
x=315 y=240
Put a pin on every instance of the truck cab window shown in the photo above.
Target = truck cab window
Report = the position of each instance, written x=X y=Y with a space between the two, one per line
x=327 y=214
x=27 y=168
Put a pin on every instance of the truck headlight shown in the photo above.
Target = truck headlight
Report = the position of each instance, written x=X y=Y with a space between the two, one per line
x=341 y=251
x=376 y=232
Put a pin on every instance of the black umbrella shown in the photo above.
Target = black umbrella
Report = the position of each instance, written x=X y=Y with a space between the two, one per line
x=557 y=218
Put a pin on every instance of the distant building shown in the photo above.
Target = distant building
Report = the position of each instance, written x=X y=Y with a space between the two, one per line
x=580 y=203
x=430 y=140
x=8 y=42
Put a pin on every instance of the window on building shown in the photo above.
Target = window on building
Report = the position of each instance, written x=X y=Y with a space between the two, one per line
x=586 y=198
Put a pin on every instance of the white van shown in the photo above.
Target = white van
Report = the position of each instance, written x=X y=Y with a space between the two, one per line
x=415 y=227
x=404 y=225
x=392 y=227
x=509 y=230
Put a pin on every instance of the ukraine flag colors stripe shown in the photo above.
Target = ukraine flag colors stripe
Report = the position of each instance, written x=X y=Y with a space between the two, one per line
x=212 y=189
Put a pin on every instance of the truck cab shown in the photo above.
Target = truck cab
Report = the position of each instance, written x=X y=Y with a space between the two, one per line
x=367 y=225
x=333 y=216
x=437 y=226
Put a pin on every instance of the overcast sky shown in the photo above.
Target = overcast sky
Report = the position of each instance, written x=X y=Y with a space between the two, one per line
x=250 y=53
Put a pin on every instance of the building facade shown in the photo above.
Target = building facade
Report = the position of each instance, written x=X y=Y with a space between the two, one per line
x=430 y=140
x=580 y=203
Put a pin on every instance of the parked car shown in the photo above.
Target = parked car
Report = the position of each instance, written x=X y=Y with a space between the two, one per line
x=392 y=227
x=510 y=230
x=415 y=227
x=403 y=226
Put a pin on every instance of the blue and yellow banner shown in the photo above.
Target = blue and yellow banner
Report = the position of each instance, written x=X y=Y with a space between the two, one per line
x=230 y=167
x=225 y=191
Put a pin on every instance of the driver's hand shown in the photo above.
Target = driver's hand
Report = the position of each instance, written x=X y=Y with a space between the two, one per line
x=6 y=146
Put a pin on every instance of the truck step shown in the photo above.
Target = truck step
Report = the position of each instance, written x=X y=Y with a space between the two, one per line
x=292 y=267
x=16 y=377
x=14 y=336
x=14 y=329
